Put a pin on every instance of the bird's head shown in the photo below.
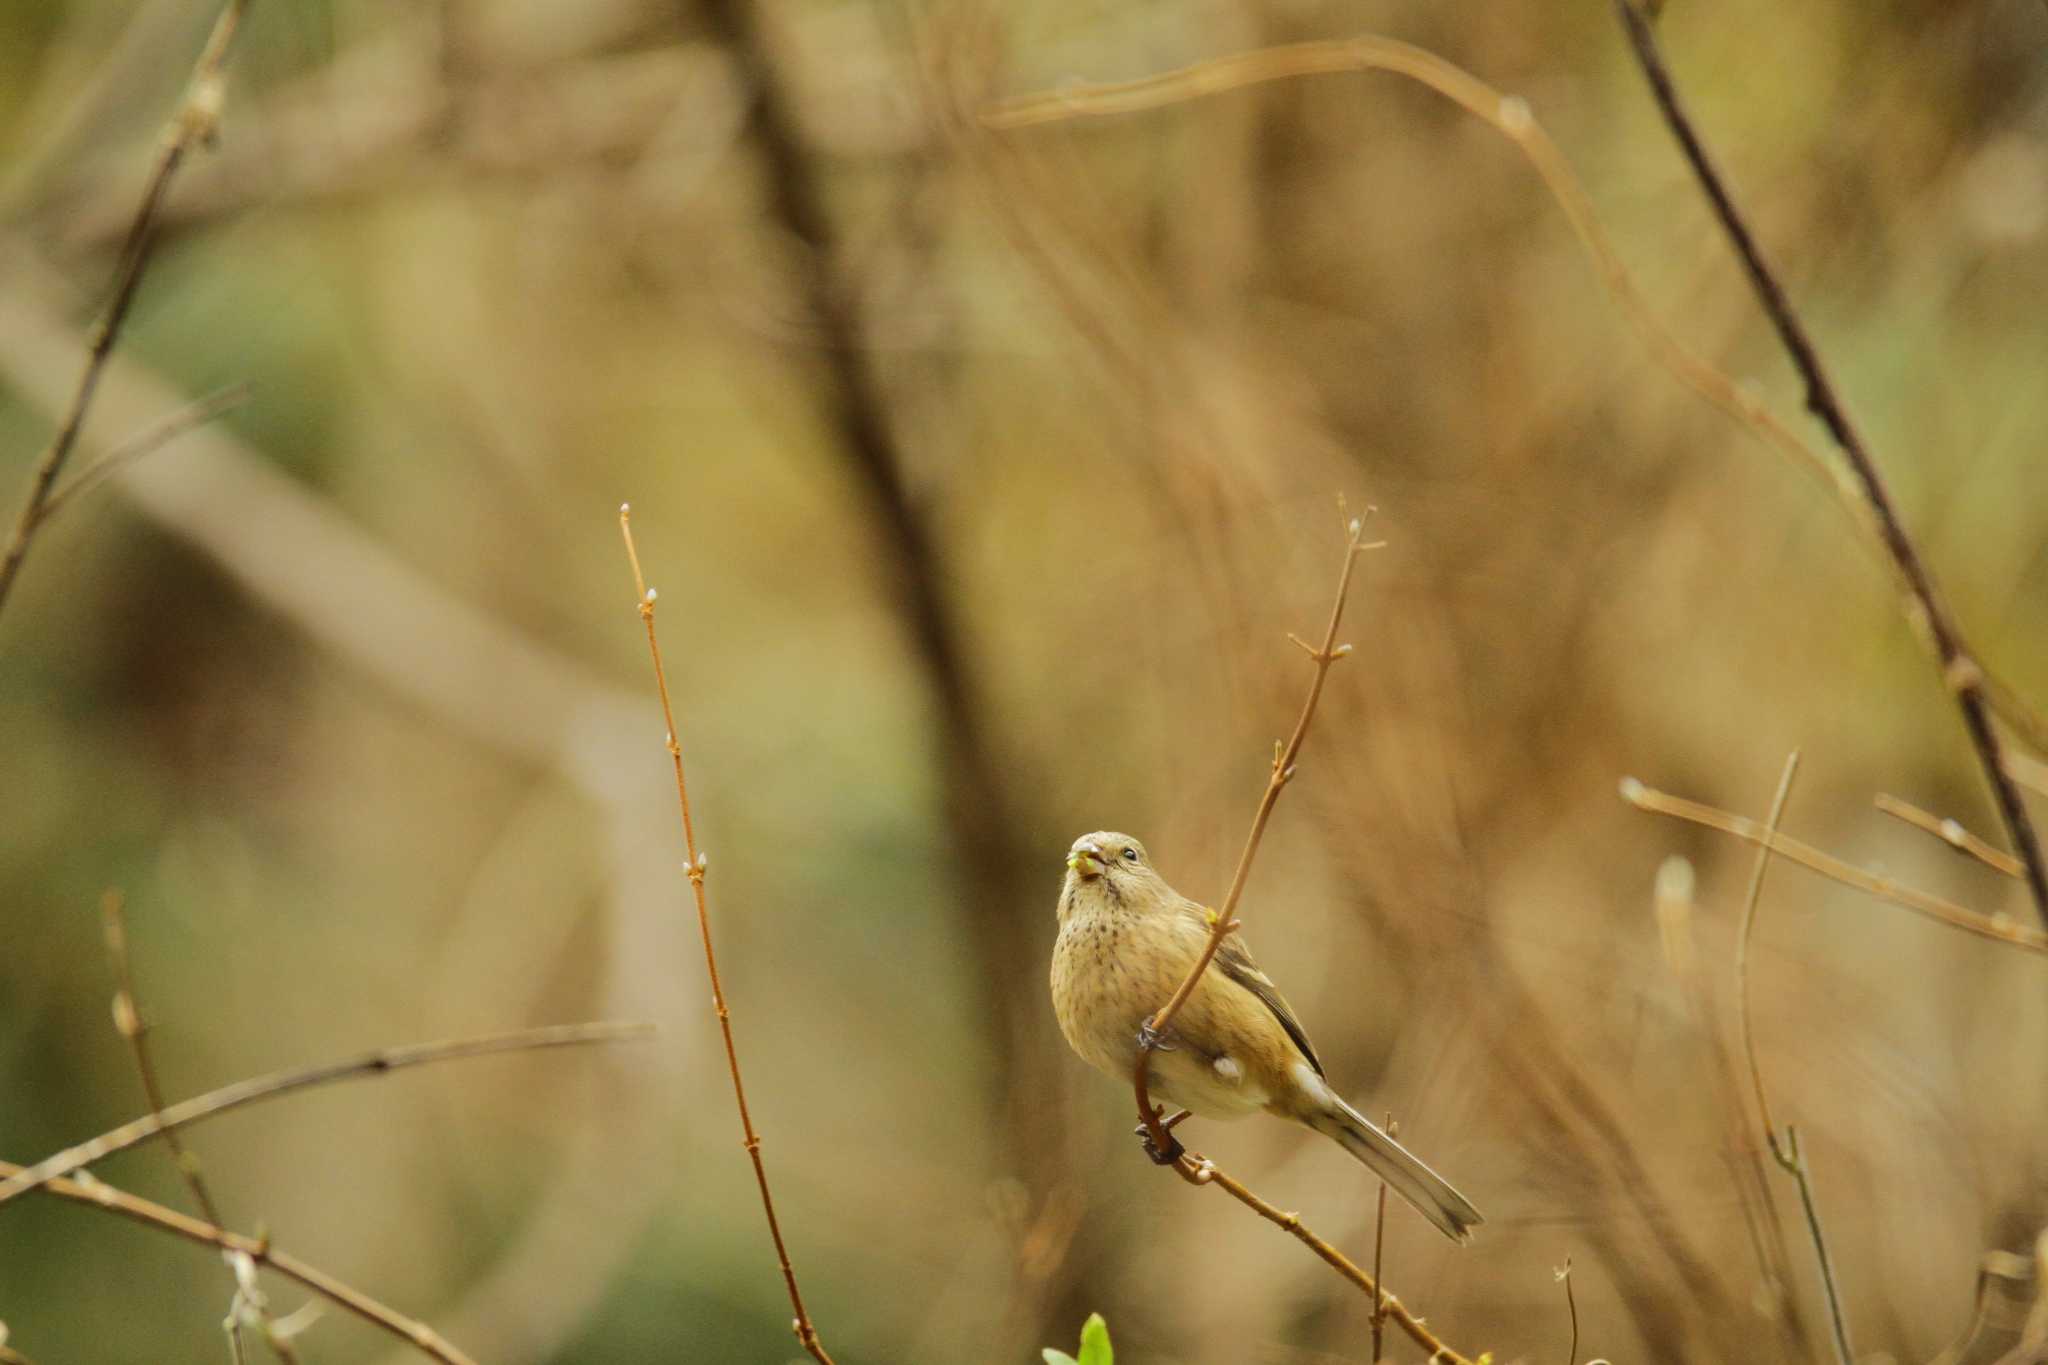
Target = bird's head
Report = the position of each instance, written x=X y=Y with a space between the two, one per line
x=1112 y=867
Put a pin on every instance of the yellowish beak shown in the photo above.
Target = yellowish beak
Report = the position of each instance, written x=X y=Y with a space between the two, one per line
x=1087 y=862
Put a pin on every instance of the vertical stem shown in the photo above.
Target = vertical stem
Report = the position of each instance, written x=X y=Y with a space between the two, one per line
x=1379 y=1241
x=1162 y=1144
x=1793 y=1159
x=806 y=1332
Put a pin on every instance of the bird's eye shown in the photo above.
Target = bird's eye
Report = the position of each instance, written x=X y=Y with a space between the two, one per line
x=1131 y=854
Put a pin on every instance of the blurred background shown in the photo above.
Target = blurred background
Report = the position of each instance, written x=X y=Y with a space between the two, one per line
x=979 y=515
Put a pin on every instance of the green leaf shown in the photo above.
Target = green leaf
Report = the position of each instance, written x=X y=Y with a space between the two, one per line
x=1095 y=1342
x=1094 y=1346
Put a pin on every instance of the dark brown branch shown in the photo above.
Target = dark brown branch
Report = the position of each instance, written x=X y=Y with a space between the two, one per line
x=88 y=1189
x=1571 y=1306
x=241 y=1093
x=1960 y=671
x=196 y=121
x=984 y=809
x=695 y=866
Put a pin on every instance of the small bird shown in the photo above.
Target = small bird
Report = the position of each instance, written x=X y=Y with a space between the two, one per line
x=1127 y=940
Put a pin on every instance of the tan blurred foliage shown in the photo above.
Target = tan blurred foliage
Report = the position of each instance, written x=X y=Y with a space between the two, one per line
x=345 y=690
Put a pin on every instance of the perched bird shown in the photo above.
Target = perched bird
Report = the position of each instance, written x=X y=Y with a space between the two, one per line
x=1127 y=939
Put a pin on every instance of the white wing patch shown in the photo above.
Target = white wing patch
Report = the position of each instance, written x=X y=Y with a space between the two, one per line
x=1229 y=1070
x=1313 y=1085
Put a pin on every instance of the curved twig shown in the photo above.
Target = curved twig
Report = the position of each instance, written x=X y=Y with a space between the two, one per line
x=88 y=1189
x=240 y=1093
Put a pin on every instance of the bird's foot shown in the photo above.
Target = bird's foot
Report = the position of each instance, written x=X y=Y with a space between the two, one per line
x=1172 y=1151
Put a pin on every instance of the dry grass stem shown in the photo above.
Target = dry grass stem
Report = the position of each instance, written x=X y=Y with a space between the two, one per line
x=694 y=866
x=1750 y=900
x=1960 y=670
x=1785 y=1152
x=1950 y=832
x=196 y=121
x=1790 y=1155
x=129 y=1022
x=1998 y=928
x=88 y=1189
x=235 y=1096
x=1379 y=1242
x=1284 y=758
x=1571 y=1307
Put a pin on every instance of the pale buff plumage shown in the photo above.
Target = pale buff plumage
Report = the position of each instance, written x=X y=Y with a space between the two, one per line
x=1126 y=941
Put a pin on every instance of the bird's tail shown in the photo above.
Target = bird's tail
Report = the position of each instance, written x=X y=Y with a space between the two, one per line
x=1429 y=1192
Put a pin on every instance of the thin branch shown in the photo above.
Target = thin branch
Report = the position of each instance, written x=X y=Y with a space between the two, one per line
x=1223 y=922
x=1786 y=1152
x=130 y=1024
x=1379 y=1240
x=1950 y=832
x=241 y=1093
x=196 y=121
x=1751 y=899
x=1998 y=928
x=1960 y=670
x=128 y=1021
x=1571 y=1305
x=148 y=441
x=695 y=866
x=1199 y=1170
x=89 y=1189
x=1793 y=1159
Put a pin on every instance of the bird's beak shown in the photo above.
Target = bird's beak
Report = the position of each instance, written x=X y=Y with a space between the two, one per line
x=1086 y=860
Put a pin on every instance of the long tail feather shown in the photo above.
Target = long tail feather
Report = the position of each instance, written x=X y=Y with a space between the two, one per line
x=1403 y=1171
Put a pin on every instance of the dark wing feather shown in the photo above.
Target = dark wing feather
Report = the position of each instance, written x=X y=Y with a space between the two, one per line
x=1235 y=962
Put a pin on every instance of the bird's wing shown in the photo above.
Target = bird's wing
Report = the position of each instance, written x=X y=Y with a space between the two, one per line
x=1234 y=960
